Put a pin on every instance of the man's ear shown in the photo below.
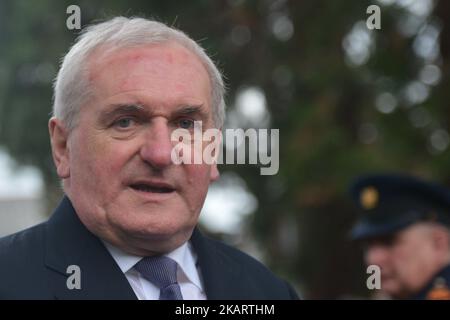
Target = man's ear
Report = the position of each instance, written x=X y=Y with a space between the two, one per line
x=441 y=238
x=215 y=174
x=60 y=150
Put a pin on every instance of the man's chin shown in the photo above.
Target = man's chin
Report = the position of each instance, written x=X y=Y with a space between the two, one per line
x=394 y=290
x=151 y=240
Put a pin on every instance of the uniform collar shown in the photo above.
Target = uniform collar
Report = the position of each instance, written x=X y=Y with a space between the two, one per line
x=443 y=275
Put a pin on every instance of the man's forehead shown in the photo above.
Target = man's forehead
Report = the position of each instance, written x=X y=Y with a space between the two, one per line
x=384 y=240
x=169 y=52
x=150 y=63
x=411 y=232
x=161 y=69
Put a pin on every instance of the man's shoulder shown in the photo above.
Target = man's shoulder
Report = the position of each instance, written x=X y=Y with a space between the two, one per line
x=249 y=270
x=238 y=256
x=22 y=264
x=439 y=286
x=25 y=242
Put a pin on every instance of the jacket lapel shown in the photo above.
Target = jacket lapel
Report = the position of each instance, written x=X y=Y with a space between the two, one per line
x=69 y=242
x=220 y=273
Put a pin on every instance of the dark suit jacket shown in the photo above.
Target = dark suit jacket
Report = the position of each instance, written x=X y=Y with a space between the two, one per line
x=33 y=265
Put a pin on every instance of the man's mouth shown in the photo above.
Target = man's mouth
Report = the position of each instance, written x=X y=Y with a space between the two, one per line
x=152 y=187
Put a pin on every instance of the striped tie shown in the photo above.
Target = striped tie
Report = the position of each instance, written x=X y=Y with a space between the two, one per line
x=162 y=272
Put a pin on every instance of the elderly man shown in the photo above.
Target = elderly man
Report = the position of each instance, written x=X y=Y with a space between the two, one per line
x=404 y=228
x=126 y=227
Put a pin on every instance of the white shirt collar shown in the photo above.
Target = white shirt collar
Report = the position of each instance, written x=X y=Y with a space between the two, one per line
x=184 y=256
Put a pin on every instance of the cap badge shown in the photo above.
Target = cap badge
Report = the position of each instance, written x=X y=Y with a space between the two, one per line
x=369 y=198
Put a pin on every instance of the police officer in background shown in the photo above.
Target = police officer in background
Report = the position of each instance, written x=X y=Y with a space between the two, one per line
x=404 y=229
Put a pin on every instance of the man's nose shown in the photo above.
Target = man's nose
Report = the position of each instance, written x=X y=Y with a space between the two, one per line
x=157 y=148
x=376 y=254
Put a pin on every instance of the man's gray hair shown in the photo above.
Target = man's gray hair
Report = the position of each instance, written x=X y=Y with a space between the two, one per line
x=72 y=88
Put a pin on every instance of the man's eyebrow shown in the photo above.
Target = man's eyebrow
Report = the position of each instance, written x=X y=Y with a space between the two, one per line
x=136 y=108
x=116 y=109
x=189 y=110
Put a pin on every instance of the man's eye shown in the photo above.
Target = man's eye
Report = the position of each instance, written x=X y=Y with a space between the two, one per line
x=124 y=123
x=186 y=123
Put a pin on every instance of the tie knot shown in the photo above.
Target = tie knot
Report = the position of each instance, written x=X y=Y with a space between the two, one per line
x=159 y=270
